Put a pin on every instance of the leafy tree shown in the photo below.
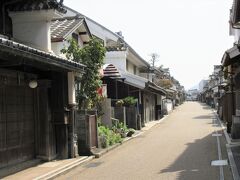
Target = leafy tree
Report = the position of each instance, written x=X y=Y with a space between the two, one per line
x=165 y=83
x=92 y=56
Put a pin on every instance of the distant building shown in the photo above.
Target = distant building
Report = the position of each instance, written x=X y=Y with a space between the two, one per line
x=192 y=94
x=202 y=84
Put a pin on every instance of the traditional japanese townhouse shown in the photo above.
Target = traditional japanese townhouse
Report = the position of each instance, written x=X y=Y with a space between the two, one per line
x=135 y=78
x=216 y=82
x=66 y=28
x=62 y=30
x=202 y=88
x=36 y=91
x=231 y=69
x=137 y=81
x=174 y=92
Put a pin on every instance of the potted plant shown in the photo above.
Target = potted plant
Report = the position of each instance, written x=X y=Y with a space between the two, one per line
x=130 y=132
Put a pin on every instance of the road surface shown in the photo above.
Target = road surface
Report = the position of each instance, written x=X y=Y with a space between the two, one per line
x=182 y=147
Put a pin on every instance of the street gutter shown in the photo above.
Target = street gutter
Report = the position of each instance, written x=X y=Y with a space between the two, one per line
x=97 y=154
x=100 y=152
x=229 y=151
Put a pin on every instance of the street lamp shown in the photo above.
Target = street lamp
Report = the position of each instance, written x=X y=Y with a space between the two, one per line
x=33 y=84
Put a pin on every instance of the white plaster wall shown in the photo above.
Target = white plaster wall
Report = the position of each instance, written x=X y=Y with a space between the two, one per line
x=135 y=59
x=137 y=71
x=174 y=87
x=159 y=99
x=34 y=34
x=236 y=33
x=131 y=70
x=96 y=29
x=33 y=28
x=150 y=77
x=100 y=31
x=58 y=46
x=168 y=105
x=71 y=88
x=144 y=75
x=117 y=58
x=130 y=67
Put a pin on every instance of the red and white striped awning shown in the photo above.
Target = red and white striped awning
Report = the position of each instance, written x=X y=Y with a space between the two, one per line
x=110 y=71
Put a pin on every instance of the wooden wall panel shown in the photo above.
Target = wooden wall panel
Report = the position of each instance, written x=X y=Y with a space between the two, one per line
x=16 y=124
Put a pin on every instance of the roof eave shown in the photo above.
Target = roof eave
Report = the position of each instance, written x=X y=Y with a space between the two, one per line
x=230 y=56
x=73 y=29
x=37 y=56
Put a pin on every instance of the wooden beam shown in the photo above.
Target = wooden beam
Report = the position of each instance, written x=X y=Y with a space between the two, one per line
x=83 y=33
x=10 y=64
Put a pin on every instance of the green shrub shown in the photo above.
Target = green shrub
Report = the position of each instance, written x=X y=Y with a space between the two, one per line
x=118 y=138
x=128 y=101
x=120 y=128
x=103 y=133
x=108 y=137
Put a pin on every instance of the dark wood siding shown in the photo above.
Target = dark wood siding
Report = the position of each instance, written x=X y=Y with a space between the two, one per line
x=16 y=124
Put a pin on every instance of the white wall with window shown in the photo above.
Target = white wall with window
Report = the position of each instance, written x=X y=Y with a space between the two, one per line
x=117 y=58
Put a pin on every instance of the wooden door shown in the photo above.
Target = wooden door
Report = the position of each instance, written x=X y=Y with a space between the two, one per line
x=16 y=124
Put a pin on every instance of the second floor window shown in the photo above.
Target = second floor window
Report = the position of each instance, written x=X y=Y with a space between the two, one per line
x=135 y=70
x=75 y=37
x=127 y=65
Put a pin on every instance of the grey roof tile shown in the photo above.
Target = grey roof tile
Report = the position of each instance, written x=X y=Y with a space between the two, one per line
x=31 y=5
x=60 y=28
x=33 y=51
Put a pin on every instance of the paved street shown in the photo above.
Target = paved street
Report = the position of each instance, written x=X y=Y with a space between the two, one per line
x=181 y=147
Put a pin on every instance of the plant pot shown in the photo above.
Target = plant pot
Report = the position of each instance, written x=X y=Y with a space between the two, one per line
x=130 y=133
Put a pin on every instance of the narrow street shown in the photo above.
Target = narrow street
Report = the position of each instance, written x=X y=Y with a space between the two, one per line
x=181 y=147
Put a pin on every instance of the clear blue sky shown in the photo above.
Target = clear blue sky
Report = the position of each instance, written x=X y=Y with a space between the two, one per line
x=190 y=36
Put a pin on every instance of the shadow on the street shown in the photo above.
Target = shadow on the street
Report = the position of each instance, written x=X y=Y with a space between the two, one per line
x=93 y=164
x=204 y=117
x=194 y=162
x=205 y=106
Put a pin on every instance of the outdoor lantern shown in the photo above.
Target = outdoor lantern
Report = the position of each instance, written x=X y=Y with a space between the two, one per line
x=33 y=84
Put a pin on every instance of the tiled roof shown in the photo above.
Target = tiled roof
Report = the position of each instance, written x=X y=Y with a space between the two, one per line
x=62 y=27
x=110 y=71
x=231 y=56
x=45 y=57
x=31 y=5
x=155 y=88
